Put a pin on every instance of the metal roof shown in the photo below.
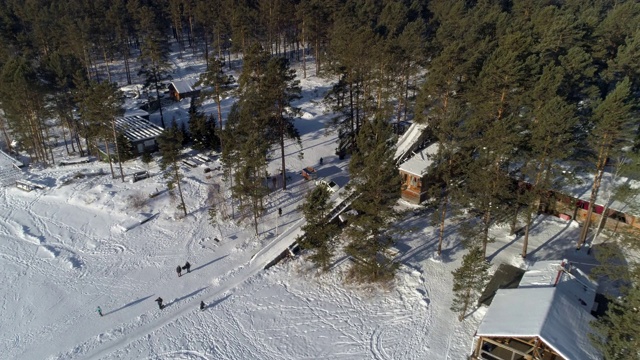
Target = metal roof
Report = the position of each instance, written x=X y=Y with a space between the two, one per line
x=136 y=128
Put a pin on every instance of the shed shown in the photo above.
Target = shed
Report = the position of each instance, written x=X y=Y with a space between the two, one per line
x=140 y=132
x=414 y=174
x=180 y=89
x=547 y=317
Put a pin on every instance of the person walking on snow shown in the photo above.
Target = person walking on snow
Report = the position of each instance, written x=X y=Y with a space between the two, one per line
x=201 y=305
x=99 y=310
x=279 y=211
x=179 y=270
x=159 y=301
x=187 y=267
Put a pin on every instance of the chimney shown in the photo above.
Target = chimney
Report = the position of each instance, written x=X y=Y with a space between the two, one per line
x=559 y=273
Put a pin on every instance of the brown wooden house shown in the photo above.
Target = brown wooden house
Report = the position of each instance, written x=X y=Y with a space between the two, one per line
x=180 y=89
x=546 y=318
x=414 y=174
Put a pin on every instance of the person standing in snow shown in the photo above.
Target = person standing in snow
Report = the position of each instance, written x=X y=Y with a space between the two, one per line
x=99 y=310
x=179 y=270
x=159 y=301
x=187 y=267
x=279 y=211
x=201 y=305
x=321 y=161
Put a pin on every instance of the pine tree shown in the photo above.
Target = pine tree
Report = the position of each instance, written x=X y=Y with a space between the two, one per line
x=99 y=102
x=218 y=81
x=375 y=177
x=319 y=236
x=469 y=280
x=616 y=333
x=170 y=144
x=23 y=100
x=244 y=156
x=549 y=141
x=280 y=90
x=153 y=52
x=124 y=147
x=613 y=129
x=146 y=158
x=440 y=104
x=202 y=129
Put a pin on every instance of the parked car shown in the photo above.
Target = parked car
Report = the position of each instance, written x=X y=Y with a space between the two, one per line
x=309 y=173
x=329 y=184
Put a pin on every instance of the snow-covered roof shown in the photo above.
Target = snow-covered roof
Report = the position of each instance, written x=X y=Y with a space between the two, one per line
x=7 y=161
x=572 y=280
x=582 y=191
x=183 y=86
x=420 y=162
x=136 y=128
x=409 y=139
x=559 y=315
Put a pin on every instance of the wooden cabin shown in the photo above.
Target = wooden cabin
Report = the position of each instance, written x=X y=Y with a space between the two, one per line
x=546 y=318
x=180 y=89
x=414 y=174
x=619 y=216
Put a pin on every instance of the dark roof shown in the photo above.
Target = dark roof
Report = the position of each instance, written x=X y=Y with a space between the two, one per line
x=506 y=277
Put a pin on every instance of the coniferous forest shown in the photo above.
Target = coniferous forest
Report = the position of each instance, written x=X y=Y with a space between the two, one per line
x=514 y=92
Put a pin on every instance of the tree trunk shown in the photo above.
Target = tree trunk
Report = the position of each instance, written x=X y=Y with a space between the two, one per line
x=304 y=55
x=64 y=138
x=106 y=62
x=485 y=237
x=443 y=216
x=605 y=211
x=155 y=76
x=527 y=226
x=317 y=50
x=184 y=207
x=125 y=55
x=106 y=147
x=206 y=47
x=284 y=177
x=602 y=159
x=220 y=49
x=115 y=141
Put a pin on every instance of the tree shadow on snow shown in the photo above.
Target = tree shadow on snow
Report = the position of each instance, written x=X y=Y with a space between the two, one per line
x=427 y=249
x=209 y=263
x=185 y=297
x=129 y=304
x=215 y=303
x=557 y=244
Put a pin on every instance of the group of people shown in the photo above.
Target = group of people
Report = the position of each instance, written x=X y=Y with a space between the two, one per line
x=186 y=266
x=161 y=305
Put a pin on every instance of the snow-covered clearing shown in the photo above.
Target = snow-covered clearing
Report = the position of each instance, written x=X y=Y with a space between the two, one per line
x=79 y=243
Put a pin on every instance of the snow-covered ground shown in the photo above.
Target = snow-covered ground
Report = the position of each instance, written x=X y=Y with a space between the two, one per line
x=79 y=243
